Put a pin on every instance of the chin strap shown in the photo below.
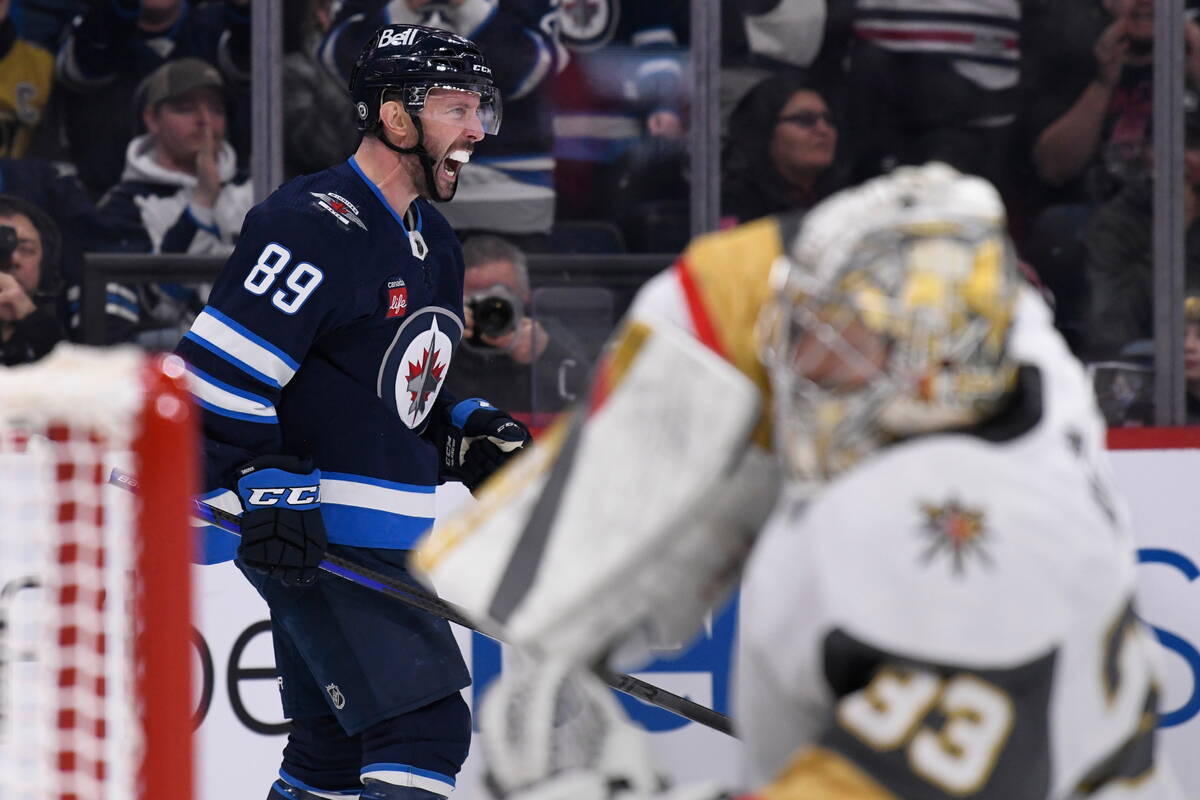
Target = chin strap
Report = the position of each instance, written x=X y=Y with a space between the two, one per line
x=420 y=152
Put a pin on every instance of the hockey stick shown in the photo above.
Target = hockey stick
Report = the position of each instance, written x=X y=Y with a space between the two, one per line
x=419 y=597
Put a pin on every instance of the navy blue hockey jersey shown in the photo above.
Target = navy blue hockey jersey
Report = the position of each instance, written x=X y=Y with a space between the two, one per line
x=329 y=334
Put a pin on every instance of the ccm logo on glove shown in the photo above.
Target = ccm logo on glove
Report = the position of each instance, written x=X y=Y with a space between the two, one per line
x=296 y=496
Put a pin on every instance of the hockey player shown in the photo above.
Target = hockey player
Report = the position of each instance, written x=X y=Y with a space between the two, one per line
x=319 y=363
x=941 y=603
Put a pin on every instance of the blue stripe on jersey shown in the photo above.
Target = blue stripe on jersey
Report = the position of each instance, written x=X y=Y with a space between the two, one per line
x=421 y=778
x=368 y=527
x=252 y=336
x=121 y=300
x=242 y=365
x=299 y=784
x=208 y=393
x=238 y=415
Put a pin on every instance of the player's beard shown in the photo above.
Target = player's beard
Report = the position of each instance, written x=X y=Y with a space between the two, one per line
x=432 y=182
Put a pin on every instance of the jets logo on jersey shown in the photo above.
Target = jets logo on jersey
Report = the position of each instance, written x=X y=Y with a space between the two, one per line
x=956 y=529
x=415 y=365
x=341 y=208
x=396 y=296
x=587 y=24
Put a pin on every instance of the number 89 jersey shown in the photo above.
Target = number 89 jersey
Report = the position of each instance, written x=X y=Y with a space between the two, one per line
x=953 y=617
x=329 y=334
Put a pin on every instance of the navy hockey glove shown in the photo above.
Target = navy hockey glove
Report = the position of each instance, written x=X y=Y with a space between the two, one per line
x=283 y=534
x=477 y=440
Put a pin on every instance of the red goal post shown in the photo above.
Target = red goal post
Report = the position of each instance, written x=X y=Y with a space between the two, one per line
x=95 y=604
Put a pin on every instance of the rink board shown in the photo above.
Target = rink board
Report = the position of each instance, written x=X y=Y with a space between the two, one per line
x=240 y=738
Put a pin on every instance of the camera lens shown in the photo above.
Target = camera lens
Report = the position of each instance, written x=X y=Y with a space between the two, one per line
x=8 y=244
x=493 y=315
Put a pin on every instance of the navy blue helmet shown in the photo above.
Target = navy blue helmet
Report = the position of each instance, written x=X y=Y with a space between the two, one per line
x=412 y=59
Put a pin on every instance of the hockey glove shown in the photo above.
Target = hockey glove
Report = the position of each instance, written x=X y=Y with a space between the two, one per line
x=283 y=534
x=476 y=440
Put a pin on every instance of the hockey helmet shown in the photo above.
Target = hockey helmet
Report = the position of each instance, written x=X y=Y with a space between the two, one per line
x=890 y=317
x=413 y=59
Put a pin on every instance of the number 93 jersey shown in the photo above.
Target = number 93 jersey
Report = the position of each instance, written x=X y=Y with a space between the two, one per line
x=953 y=617
x=329 y=334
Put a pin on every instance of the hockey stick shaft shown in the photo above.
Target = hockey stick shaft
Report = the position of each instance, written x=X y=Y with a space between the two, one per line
x=419 y=597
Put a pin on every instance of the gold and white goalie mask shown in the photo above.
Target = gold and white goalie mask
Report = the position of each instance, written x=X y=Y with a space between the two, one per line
x=890 y=317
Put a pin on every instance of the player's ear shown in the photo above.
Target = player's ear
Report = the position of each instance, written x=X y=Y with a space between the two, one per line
x=397 y=122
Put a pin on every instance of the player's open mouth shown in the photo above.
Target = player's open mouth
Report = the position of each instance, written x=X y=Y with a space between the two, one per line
x=454 y=161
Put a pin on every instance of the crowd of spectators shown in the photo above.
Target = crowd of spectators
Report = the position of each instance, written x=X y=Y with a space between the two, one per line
x=125 y=125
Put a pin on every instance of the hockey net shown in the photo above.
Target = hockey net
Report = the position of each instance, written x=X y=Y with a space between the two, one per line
x=95 y=649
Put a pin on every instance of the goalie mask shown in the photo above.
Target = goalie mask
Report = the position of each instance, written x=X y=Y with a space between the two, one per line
x=890 y=317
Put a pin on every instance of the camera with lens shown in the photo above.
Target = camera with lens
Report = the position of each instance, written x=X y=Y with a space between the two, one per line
x=496 y=311
x=8 y=246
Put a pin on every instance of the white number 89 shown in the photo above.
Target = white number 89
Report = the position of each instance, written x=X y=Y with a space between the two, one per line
x=302 y=280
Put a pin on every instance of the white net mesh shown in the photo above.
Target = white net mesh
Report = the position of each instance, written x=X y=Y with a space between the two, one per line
x=68 y=724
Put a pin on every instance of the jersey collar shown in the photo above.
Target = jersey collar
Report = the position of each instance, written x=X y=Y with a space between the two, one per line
x=409 y=221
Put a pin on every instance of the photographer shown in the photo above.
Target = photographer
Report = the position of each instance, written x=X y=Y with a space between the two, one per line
x=506 y=355
x=29 y=284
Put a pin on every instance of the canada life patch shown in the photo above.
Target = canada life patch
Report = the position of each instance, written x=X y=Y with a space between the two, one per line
x=397 y=298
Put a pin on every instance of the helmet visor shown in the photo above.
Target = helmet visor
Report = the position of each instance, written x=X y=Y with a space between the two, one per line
x=466 y=106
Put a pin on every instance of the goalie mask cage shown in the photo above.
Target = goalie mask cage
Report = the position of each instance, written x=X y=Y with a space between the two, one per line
x=95 y=629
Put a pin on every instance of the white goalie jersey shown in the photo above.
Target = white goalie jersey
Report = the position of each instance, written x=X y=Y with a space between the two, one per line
x=954 y=617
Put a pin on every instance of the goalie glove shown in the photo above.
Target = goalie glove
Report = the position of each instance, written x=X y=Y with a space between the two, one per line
x=476 y=440
x=551 y=730
x=283 y=534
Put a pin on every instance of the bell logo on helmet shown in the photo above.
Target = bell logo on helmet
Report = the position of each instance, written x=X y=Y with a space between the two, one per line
x=391 y=36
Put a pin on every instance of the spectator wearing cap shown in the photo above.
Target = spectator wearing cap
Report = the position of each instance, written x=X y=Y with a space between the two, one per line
x=1118 y=243
x=109 y=49
x=180 y=193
